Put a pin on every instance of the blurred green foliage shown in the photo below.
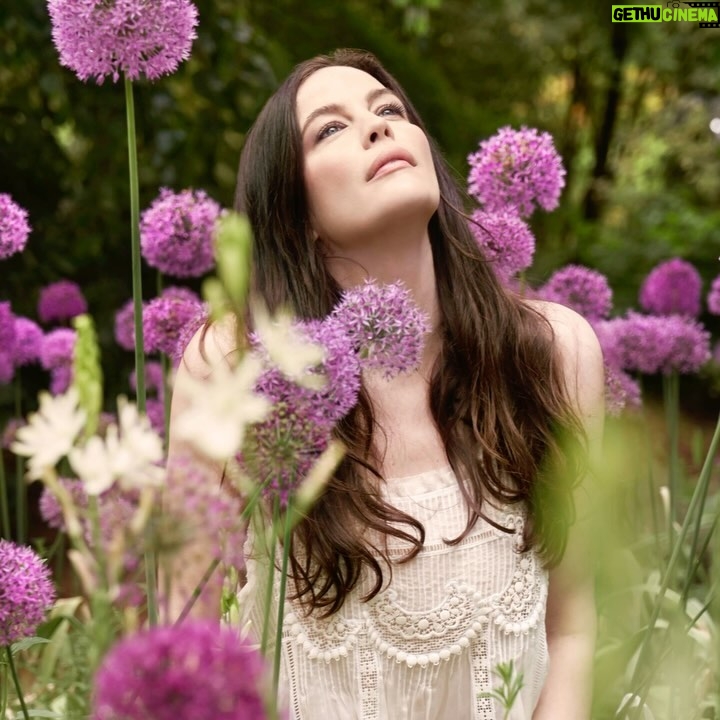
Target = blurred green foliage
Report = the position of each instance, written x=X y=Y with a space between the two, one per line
x=628 y=105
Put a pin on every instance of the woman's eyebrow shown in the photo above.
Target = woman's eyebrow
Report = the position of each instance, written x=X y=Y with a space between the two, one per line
x=336 y=108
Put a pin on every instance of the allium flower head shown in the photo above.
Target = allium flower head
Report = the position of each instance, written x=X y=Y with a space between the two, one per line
x=56 y=348
x=61 y=300
x=99 y=39
x=516 y=170
x=7 y=328
x=584 y=290
x=713 y=298
x=125 y=326
x=197 y=669
x=176 y=233
x=28 y=341
x=673 y=287
x=386 y=327
x=622 y=392
x=26 y=592
x=14 y=227
x=656 y=344
x=505 y=240
x=167 y=316
x=7 y=368
x=154 y=380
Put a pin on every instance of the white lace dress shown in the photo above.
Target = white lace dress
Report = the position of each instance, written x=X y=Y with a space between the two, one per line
x=424 y=648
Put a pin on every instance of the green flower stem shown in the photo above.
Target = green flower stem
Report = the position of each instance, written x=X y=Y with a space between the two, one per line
x=671 y=392
x=20 y=487
x=135 y=245
x=281 y=602
x=4 y=505
x=16 y=681
x=197 y=591
x=698 y=498
x=270 y=578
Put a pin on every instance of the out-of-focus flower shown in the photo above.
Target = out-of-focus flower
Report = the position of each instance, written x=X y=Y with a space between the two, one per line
x=188 y=331
x=655 y=344
x=51 y=510
x=26 y=592
x=8 y=434
x=673 y=287
x=165 y=317
x=7 y=368
x=622 y=392
x=125 y=326
x=584 y=290
x=60 y=301
x=7 y=328
x=386 y=327
x=176 y=233
x=60 y=379
x=28 y=341
x=154 y=380
x=155 y=411
x=220 y=407
x=129 y=453
x=516 y=170
x=56 y=349
x=713 y=298
x=196 y=669
x=50 y=432
x=14 y=227
x=505 y=240
x=134 y=37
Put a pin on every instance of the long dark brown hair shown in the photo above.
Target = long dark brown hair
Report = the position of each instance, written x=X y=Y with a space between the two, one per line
x=497 y=393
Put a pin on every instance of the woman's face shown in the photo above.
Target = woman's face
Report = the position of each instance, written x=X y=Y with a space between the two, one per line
x=367 y=167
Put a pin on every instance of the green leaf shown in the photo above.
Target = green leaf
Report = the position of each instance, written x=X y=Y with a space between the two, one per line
x=27 y=643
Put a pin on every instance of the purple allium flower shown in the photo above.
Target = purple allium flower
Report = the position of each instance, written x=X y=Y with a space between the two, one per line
x=584 y=290
x=134 y=37
x=26 y=592
x=56 y=349
x=176 y=233
x=516 y=170
x=28 y=340
x=50 y=510
x=7 y=328
x=61 y=300
x=165 y=317
x=673 y=287
x=153 y=378
x=386 y=327
x=713 y=298
x=505 y=240
x=125 y=326
x=60 y=379
x=155 y=410
x=14 y=227
x=188 y=331
x=7 y=368
x=197 y=669
x=622 y=392
x=656 y=344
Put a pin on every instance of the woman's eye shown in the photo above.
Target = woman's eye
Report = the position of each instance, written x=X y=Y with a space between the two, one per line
x=392 y=109
x=329 y=129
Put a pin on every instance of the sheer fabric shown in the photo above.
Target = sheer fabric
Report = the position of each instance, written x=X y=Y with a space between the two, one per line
x=425 y=648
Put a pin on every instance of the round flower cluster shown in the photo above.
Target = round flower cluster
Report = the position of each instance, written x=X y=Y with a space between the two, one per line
x=14 y=227
x=7 y=343
x=584 y=290
x=125 y=326
x=197 y=669
x=28 y=341
x=56 y=355
x=505 y=240
x=713 y=298
x=622 y=392
x=133 y=37
x=61 y=301
x=167 y=316
x=516 y=170
x=386 y=328
x=673 y=287
x=176 y=233
x=26 y=592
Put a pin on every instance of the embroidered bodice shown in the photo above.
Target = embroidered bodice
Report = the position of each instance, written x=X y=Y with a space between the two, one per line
x=426 y=646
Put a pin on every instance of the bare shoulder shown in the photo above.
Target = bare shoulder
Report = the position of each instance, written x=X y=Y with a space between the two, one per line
x=210 y=345
x=580 y=354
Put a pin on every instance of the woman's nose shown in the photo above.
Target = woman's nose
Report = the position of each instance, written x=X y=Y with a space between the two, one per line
x=376 y=129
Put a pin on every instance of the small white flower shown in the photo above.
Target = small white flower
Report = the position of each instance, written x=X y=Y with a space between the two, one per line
x=286 y=347
x=50 y=432
x=129 y=454
x=220 y=407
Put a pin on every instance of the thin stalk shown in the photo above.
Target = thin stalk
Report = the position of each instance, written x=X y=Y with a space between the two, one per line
x=135 y=246
x=671 y=392
x=281 y=602
x=16 y=681
x=198 y=591
x=270 y=578
x=3 y=689
x=20 y=486
x=4 y=504
x=696 y=554
x=151 y=579
x=698 y=497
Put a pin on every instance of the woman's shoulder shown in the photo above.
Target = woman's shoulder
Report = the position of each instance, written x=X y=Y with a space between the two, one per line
x=213 y=343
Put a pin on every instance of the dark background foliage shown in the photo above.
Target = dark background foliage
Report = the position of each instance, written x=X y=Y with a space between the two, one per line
x=629 y=107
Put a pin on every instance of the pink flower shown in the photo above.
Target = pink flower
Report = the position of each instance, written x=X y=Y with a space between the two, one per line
x=14 y=227
x=672 y=288
x=61 y=300
x=505 y=240
x=584 y=290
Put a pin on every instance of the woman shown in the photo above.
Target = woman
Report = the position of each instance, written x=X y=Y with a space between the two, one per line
x=445 y=544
